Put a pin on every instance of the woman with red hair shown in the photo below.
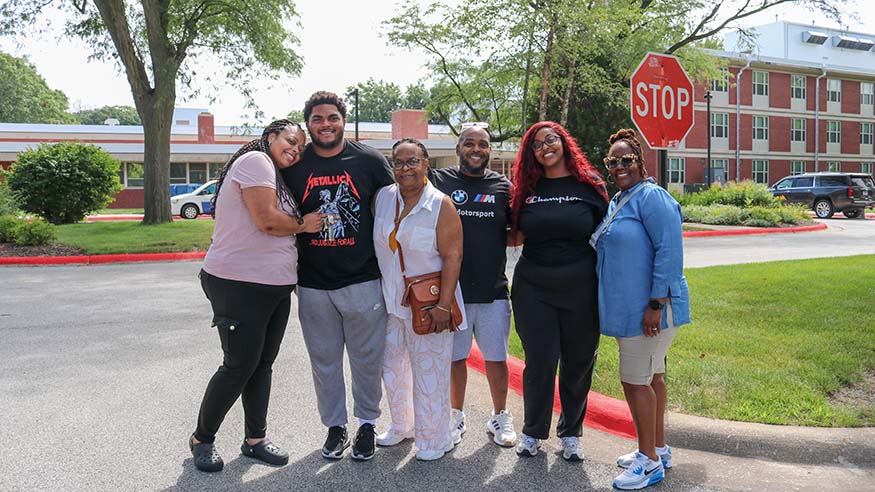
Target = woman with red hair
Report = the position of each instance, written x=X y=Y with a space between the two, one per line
x=558 y=200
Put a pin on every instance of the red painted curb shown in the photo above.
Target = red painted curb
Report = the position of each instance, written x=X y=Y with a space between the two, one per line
x=98 y=259
x=603 y=413
x=764 y=230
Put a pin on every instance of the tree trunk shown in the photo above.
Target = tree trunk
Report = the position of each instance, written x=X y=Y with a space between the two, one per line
x=572 y=68
x=528 y=76
x=157 y=121
x=545 y=74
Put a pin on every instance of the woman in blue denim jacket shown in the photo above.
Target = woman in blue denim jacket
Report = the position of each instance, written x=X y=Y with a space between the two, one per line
x=643 y=299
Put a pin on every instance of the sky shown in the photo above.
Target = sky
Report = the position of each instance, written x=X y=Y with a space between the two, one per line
x=339 y=50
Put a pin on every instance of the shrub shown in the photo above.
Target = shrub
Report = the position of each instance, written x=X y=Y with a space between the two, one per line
x=63 y=182
x=9 y=203
x=723 y=215
x=694 y=213
x=761 y=216
x=744 y=194
x=793 y=214
x=8 y=225
x=35 y=232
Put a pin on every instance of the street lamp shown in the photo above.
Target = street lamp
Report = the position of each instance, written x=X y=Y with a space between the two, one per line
x=708 y=159
x=356 y=94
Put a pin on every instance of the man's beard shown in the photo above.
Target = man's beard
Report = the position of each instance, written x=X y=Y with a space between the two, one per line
x=330 y=145
x=466 y=166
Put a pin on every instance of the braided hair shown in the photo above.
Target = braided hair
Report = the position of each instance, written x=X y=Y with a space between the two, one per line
x=410 y=140
x=284 y=195
x=629 y=136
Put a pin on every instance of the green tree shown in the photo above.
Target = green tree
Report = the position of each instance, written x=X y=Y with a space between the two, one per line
x=296 y=115
x=126 y=115
x=162 y=43
x=377 y=100
x=26 y=98
x=63 y=182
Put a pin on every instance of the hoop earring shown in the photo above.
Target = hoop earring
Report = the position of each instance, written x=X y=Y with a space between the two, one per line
x=425 y=180
x=610 y=178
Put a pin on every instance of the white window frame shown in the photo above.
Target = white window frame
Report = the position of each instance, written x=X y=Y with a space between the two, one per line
x=760 y=171
x=866 y=133
x=833 y=131
x=867 y=167
x=798 y=129
x=797 y=167
x=833 y=90
x=867 y=93
x=677 y=170
x=721 y=84
x=760 y=126
x=798 y=87
x=833 y=167
x=719 y=129
x=760 y=83
x=127 y=166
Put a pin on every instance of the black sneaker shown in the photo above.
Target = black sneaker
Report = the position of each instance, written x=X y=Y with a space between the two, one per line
x=365 y=443
x=336 y=442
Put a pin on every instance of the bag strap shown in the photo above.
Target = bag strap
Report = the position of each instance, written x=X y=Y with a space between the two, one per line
x=594 y=239
x=393 y=234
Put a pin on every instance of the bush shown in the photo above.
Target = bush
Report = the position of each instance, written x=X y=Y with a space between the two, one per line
x=761 y=217
x=9 y=203
x=8 y=225
x=63 y=182
x=744 y=194
x=35 y=233
x=793 y=214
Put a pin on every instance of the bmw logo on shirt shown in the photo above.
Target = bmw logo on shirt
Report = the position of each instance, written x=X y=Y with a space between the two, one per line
x=459 y=197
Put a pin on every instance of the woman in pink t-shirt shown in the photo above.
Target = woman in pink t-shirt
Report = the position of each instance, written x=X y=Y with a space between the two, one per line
x=248 y=276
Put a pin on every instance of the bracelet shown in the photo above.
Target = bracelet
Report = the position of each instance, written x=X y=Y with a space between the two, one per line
x=438 y=306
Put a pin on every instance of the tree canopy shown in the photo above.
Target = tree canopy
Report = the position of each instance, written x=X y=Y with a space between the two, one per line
x=26 y=98
x=160 y=44
x=126 y=115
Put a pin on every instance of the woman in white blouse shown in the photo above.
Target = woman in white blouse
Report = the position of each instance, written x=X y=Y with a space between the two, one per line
x=416 y=368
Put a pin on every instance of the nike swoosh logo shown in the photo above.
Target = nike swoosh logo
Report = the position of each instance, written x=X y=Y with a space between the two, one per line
x=650 y=472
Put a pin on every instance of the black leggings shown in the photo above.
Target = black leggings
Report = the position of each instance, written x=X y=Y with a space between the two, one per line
x=251 y=320
x=556 y=318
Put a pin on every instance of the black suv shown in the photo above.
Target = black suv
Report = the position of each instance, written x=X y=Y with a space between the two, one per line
x=828 y=193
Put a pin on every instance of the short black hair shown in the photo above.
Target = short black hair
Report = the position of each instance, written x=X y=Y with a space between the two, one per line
x=323 y=97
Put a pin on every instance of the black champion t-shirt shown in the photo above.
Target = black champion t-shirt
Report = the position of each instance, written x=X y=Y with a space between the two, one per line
x=342 y=253
x=558 y=220
x=483 y=204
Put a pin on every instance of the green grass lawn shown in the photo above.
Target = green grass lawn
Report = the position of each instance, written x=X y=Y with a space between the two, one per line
x=687 y=227
x=132 y=237
x=117 y=211
x=770 y=342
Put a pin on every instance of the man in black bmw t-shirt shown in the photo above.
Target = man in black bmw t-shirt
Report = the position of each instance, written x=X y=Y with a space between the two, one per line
x=482 y=198
x=340 y=300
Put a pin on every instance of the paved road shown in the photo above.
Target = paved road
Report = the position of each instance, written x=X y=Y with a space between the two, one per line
x=102 y=369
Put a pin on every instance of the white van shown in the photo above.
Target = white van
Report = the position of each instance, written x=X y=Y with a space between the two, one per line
x=190 y=205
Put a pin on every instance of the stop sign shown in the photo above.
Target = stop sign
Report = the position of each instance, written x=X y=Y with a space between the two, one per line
x=662 y=101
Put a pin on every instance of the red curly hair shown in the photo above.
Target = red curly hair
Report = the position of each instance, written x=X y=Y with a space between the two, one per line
x=527 y=172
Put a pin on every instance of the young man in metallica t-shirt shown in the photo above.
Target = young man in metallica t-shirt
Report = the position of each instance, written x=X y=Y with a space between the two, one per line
x=340 y=300
x=482 y=198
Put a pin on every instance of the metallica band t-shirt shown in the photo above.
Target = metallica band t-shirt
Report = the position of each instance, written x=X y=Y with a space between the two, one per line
x=342 y=253
x=483 y=203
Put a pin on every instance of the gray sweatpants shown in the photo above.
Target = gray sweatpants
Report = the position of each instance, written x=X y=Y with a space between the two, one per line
x=354 y=316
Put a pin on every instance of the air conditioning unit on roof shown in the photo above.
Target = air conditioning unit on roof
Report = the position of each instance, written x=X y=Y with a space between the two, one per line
x=814 y=37
x=847 y=42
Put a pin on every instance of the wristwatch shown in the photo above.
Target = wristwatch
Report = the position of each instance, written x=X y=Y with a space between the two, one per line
x=655 y=305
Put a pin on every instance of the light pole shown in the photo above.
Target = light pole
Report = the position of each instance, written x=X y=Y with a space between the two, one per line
x=708 y=159
x=356 y=94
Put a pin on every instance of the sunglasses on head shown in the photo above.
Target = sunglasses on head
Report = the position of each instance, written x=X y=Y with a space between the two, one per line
x=624 y=160
x=479 y=124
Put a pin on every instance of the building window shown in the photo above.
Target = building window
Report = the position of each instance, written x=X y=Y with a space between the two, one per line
x=797 y=130
x=215 y=169
x=866 y=167
x=866 y=130
x=197 y=172
x=761 y=83
x=720 y=125
x=797 y=167
x=134 y=174
x=834 y=167
x=761 y=171
x=867 y=93
x=721 y=83
x=797 y=86
x=833 y=90
x=720 y=169
x=834 y=132
x=760 y=127
x=676 y=169
x=178 y=173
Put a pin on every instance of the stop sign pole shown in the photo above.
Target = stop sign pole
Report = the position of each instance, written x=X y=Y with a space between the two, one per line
x=662 y=105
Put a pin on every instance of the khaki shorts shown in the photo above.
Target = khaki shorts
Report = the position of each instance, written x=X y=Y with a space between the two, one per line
x=641 y=357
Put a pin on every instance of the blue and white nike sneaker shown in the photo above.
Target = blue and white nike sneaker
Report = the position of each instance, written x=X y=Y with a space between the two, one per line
x=643 y=472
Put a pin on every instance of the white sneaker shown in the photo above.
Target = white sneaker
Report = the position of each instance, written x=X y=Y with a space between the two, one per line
x=626 y=460
x=392 y=437
x=643 y=472
x=500 y=425
x=457 y=422
x=571 y=448
x=433 y=454
x=528 y=446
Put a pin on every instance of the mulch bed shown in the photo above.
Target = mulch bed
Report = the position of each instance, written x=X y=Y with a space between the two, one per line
x=10 y=249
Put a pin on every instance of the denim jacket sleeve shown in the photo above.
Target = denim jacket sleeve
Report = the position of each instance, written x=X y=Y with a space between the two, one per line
x=661 y=216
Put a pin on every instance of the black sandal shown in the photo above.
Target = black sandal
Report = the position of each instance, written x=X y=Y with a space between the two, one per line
x=206 y=458
x=265 y=451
